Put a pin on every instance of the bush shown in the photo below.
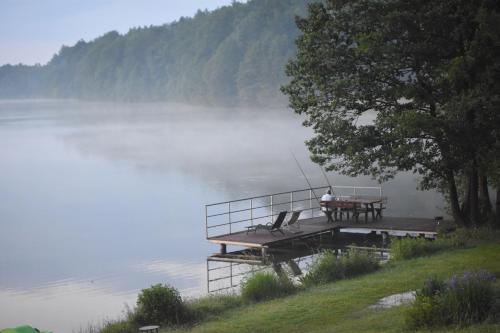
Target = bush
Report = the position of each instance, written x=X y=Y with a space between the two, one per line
x=160 y=305
x=464 y=237
x=432 y=287
x=462 y=300
x=359 y=262
x=262 y=286
x=459 y=238
x=407 y=248
x=202 y=308
x=326 y=267
x=422 y=313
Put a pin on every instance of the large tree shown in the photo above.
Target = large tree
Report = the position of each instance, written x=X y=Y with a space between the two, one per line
x=427 y=72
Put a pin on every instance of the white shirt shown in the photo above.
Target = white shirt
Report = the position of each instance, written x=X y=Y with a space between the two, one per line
x=327 y=197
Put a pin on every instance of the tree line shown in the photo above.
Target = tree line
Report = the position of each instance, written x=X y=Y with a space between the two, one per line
x=233 y=55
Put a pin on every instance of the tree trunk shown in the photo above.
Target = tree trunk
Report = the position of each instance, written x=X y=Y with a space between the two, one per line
x=497 y=210
x=484 y=197
x=455 y=206
x=466 y=200
x=474 y=198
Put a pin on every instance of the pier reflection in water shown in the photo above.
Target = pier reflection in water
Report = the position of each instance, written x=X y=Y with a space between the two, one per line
x=225 y=273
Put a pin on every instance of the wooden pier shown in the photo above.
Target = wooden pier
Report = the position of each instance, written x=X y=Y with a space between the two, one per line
x=311 y=227
x=227 y=223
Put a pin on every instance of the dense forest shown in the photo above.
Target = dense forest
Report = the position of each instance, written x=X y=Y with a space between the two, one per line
x=233 y=55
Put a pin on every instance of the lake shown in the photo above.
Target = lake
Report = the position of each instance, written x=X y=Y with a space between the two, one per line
x=101 y=200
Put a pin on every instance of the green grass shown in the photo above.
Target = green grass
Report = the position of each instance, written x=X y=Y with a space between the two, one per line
x=212 y=306
x=342 y=306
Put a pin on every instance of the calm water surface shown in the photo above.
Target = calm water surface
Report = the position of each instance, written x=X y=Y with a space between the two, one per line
x=98 y=201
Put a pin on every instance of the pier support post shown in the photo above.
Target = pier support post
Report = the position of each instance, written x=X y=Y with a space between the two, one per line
x=278 y=269
x=294 y=267
x=223 y=249
x=385 y=236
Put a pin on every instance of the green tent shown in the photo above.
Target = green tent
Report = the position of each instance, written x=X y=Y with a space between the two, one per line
x=22 y=329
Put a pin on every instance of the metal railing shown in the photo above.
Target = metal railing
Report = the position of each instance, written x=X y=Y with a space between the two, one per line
x=227 y=276
x=232 y=216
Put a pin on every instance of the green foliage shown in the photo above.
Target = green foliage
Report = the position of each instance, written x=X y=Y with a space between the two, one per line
x=125 y=325
x=463 y=237
x=262 y=286
x=422 y=313
x=213 y=305
x=160 y=304
x=326 y=267
x=234 y=54
x=119 y=326
x=462 y=300
x=342 y=306
x=429 y=75
x=21 y=81
x=311 y=310
x=357 y=262
x=408 y=247
x=432 y=287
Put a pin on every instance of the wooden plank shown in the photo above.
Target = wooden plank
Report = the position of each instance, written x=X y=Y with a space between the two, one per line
x=315 y=226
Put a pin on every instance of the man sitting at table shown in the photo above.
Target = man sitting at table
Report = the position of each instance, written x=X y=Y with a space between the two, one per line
x=325 y=203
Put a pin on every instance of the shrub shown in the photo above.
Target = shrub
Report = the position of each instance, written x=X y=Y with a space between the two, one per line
x=261 y=286
x=160 y=304
x=326 y=267
x=202 y=308
x=464 y=237
x=459 y=238
x=462 y=300
x=468 y=298
x=432 y=287
x=358 y=262
x=407 y=248
x=422 y=313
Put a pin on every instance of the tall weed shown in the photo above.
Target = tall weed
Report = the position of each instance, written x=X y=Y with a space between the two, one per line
x=407 y=248
x=326 y=267
x=262 y=286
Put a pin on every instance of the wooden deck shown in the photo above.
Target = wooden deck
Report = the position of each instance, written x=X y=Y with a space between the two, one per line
x=314 y=226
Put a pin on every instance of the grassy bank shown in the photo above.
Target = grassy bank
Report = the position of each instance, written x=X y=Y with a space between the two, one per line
x=342 y=306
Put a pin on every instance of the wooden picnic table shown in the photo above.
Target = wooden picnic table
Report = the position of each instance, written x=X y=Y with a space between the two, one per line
x=353 y=203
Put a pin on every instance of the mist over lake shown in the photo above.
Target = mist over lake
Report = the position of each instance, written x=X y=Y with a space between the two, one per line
x=101 y=200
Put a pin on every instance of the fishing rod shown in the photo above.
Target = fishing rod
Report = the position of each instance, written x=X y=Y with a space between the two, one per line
x=307 y=180
x=324 y=174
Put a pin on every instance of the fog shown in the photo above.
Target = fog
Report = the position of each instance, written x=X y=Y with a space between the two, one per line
x=98 y=201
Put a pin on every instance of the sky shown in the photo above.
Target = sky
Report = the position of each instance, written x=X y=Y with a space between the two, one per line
x=32 y=31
